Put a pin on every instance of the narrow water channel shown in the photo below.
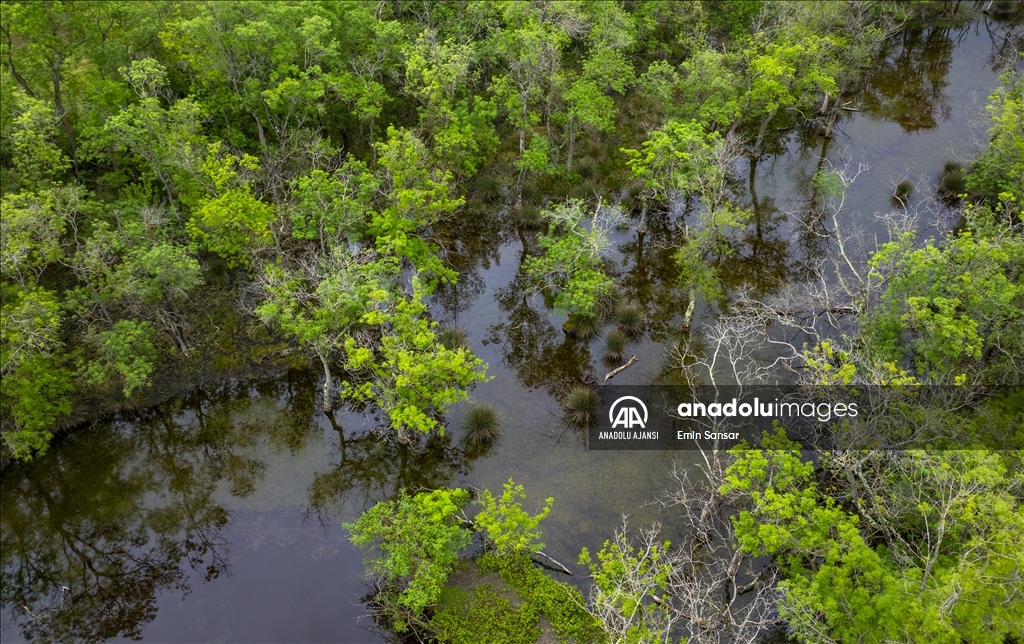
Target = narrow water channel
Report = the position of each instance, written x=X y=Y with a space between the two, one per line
x=216 y=517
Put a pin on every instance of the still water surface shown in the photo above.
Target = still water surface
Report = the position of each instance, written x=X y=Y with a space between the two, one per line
x=217 y=517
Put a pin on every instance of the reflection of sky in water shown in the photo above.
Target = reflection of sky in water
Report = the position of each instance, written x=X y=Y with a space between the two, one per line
x=278 y=469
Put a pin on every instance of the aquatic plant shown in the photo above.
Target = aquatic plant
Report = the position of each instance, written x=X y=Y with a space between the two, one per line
x=952 y=182
x=615 y=342
x=530 y=217
x=583 y=326
x=581 y=406
x=901 y=193
x=585 y=168
x=530 y=193
x=630 y=319
x=482 y=425
x=452 y=337
x=217 y=272
x=487 y=187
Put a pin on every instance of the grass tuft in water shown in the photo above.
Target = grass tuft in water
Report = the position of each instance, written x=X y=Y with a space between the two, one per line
x=615 y=342
x=583 y=327
x=952 y=182
x=530 y=217
x=901 y=193
x=630 y=319
x=487 y=188
x=581 y=406
x=482 y=425
x=452 y=338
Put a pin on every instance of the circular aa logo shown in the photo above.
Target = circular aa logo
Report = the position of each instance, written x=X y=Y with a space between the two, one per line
x=628 y=416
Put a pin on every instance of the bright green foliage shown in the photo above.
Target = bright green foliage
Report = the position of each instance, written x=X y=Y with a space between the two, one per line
x=958 y=304
x=680 y=157
x=168 y=139
x=483 y=615
x=30 y=232
x=316 y=303
x=34 y=380
x=417 y=195
x=437 y=75
x=537 y=157
x=629 y=584
x=234 y=222
x=333 y=208
x=419 y=538
x=561 y=603
x=411 y=375
x=162 y=273
x=510 y=529
x=573 y=256
x=37 y=159
x=38 y=393
x=31 y=323
x=836 y=586
x=712 y=90
x=998 y=173
x=124 y=354
x=961 y=524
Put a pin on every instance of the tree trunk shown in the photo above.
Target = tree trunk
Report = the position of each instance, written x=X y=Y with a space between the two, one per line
x=58 y=106
x=688 y=315
x=327 y=382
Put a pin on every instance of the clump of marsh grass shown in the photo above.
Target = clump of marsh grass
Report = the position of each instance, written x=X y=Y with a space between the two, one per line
x=901 y=193
x=952 y=182
x=583 y=327
x=581 y=406
x=482 y=425
x=530 y=217
x=452 y=338
x=630 y=319
x=487 y=188
x=615 y=342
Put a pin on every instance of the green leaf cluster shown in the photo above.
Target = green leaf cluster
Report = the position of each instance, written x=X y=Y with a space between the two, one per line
x=419 y=538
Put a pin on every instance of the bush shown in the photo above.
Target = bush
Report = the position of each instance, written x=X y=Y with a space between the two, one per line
x=509 y=528
x=419 y=538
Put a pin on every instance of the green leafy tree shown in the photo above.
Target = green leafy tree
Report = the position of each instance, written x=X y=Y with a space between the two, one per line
x=409 y=375
x=232 y=223
x=509 y=528
x=630 y=588
x=37 y=159
x=333 y=208
x=419 y=537
x=125 y=354
x=998 y=172
x=959 y=522
x=418 y=195
x=957 y=305
x=574 y=250
x=317 y=303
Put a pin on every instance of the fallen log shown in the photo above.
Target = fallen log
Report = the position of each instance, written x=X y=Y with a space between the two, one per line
x=560 y=567
x=613 y=372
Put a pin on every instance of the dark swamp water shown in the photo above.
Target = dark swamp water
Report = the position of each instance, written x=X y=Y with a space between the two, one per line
x=216 y=517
